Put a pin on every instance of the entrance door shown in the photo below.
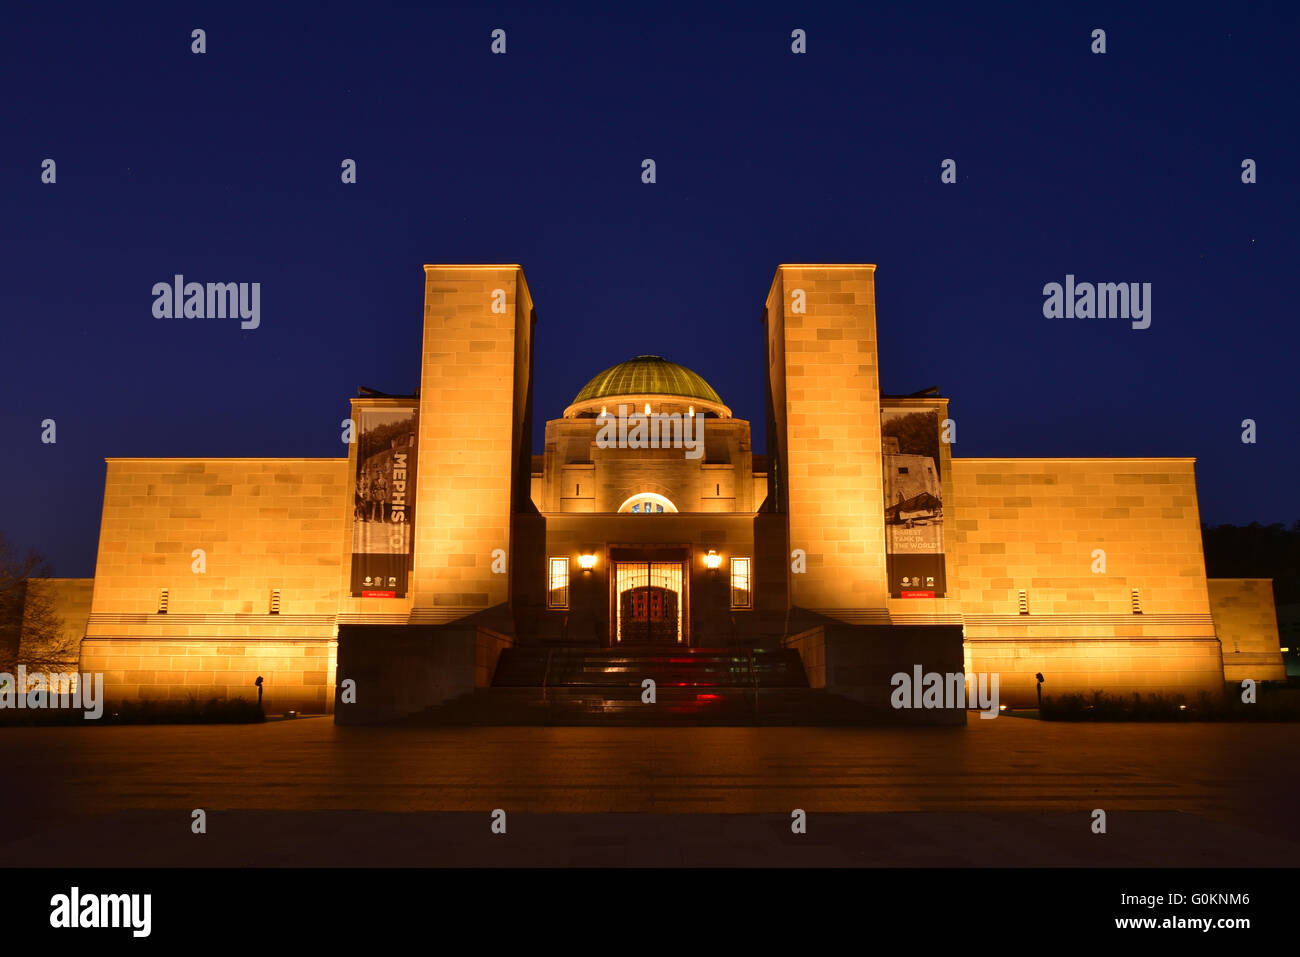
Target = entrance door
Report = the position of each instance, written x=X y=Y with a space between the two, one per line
x=648 y=602
x=648 y=614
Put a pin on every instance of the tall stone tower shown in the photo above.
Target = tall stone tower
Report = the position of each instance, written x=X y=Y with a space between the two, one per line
x=824 y=401
x=475 y=407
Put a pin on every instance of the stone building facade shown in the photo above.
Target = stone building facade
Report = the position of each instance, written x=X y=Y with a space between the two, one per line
x=857 y=539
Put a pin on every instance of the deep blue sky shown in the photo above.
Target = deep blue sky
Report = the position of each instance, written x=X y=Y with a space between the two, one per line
x=225 y=167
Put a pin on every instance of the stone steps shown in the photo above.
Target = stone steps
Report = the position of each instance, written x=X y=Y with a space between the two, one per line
x=538 y=667
x=693 y=686
x=673 y=706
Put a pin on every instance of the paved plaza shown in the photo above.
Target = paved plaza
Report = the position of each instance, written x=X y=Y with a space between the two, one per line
x=1005 y=792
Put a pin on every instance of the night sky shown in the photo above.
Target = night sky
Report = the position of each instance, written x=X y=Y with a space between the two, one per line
x=225 y=167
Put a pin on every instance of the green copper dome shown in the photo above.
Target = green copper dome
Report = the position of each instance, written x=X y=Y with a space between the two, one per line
x=647 y=375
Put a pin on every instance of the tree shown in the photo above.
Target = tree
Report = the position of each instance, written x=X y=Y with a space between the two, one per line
x=1256 y=551
x=27 y=614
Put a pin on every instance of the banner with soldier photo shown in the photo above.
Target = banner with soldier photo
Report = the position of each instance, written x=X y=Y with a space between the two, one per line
x=383 y=512
x=913 y=503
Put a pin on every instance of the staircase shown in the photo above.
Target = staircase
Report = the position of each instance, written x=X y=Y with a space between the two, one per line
x=626 y=668
x=601 y=686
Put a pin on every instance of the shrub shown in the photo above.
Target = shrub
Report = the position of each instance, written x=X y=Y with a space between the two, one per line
x=190 y=711
x=1274 y=703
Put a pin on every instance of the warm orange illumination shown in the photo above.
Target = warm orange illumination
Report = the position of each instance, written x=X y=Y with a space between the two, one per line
x=647 y=408
x=557 y=595
x=647 y=503
x=587 y=562
x=740 y=595
x=712 y=560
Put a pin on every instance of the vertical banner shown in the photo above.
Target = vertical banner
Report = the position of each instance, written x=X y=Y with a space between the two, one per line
x=383 y=503
x=913 y=503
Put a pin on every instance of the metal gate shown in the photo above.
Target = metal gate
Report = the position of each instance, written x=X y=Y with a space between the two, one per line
x=648 y=602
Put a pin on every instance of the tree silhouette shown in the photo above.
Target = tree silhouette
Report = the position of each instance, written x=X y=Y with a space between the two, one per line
x=1256 y=551
x=27 y=614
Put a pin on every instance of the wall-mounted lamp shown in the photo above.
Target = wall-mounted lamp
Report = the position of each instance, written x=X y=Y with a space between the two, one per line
x=712 y=560
x=587 y=562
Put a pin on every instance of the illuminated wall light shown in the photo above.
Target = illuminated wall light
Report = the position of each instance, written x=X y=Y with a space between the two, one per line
x=712 y=560
x=647 y=408
x=275 y=601
x=162 y=601
x=1137 y=602
x=587 y=562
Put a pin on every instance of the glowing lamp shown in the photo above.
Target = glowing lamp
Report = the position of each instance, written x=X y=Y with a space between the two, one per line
x=647 y=408
x=712 y=560
x=587 y=562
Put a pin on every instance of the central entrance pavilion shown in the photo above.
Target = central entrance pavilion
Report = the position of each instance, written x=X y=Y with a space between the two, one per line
x=649 y=492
